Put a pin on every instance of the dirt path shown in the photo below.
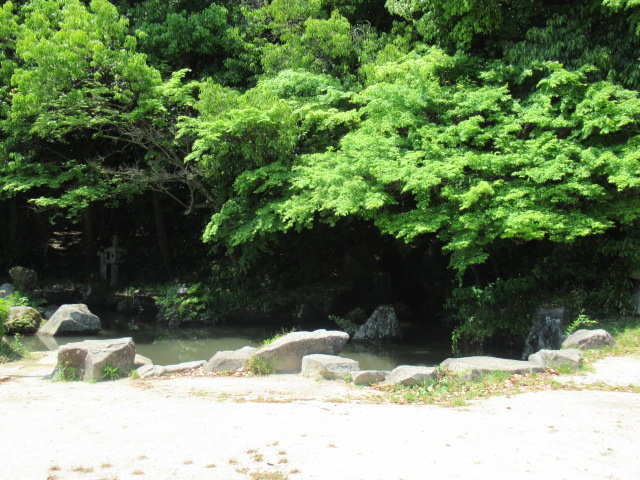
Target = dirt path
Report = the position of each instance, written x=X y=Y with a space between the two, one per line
x=291 y=427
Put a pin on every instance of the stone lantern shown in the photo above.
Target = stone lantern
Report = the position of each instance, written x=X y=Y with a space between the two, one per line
x=110 y=260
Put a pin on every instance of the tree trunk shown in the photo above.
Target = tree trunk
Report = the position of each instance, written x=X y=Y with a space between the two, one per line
x=161 y=232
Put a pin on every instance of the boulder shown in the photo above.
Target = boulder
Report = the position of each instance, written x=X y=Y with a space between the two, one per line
x=329 y=367
x=369 y=377
x=89 y=358
x=141 y=361
x=23 y=320
x=409 y=375
x=286 y=353
x=183 y=367
x=381 y=326
x=472 y=367
x=356 y=316
x=23 y=278
x=229 y=360
x=546 y=331
x=6 y=289
x=150 y=371
x=589 y=339
x=71 y=320
x=558 y=358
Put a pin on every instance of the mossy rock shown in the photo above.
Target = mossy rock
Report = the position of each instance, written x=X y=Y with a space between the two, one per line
x=23 y=320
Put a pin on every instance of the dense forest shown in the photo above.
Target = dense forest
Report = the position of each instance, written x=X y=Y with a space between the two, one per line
x=471 y=159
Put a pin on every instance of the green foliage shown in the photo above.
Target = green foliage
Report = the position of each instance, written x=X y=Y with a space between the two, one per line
x=502 y=308
x=192 y=307
x=270 y=340
x=4 y=314
x=65 y=373
x=258 y=366
x=12 y=350
x=344 y=324
x=581 y=321
x=110 y=373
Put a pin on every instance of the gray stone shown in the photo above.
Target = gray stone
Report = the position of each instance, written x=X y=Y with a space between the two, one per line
x=23 y=320
x=589 y=339
x=472 y=367
x=73 y=319
x=23 y=278
x=557 y=358
x=286 y=353
x=150 y=371
x=89 y=358
x=369 y=377
x=229 y=360
x=409 y=375
x=141 y=361
x=382 y=326
x=183 y=367
x=6 y=289
x=329 y=367
x=546 y=331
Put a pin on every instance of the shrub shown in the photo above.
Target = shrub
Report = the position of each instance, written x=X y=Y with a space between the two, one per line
x=258 y=366
x=109 y=372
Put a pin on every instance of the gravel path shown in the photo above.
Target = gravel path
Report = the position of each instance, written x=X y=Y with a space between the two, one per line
x=292 y=427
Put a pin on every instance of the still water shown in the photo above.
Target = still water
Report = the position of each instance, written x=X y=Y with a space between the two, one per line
x=166 y=347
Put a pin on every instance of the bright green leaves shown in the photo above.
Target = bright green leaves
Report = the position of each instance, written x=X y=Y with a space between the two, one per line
x=323 y=46
x=442 y=154
x=71 y=57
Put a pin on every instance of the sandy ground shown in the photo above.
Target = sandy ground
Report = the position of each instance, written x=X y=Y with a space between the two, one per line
x=290 y=427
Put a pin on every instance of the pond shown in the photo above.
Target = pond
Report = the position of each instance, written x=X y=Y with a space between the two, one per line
x=169 y=346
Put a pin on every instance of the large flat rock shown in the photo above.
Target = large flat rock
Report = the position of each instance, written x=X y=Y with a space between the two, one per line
x=409 y=375
x=329 y=367
x=286 y=353
x=474 y=366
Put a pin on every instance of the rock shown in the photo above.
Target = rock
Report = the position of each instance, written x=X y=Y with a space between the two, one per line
x=89 y=358
x=71 y=320
x=23 y=278
x=472 y=367
x=286 y=353
x=141 y=361
x=369 y=377
x=229 y=360
x=183 y=367
x=150 y=371
x=546 y=331
x=558 y=358
x=589 y=339
x=356 y=316
x=6 y=289
x=409 y=375
x=49 y=310
x=23 y=320
x=329 y=367
x=381 y=326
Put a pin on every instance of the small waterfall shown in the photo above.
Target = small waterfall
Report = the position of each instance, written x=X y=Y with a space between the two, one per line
x=546 y=331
